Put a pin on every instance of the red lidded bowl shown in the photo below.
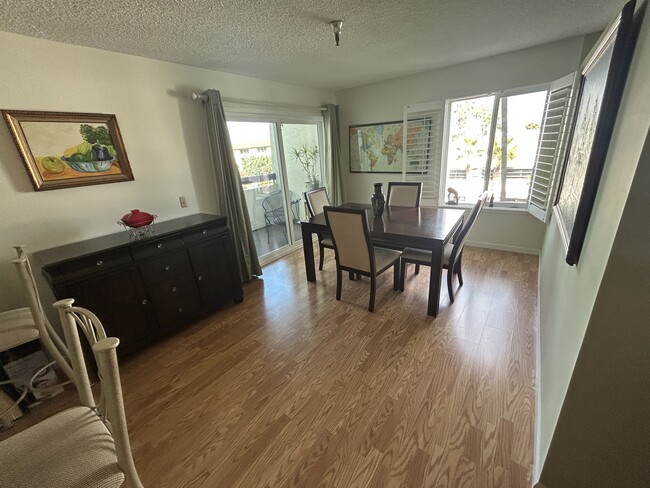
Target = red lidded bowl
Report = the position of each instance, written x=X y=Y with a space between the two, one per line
x=136 y=219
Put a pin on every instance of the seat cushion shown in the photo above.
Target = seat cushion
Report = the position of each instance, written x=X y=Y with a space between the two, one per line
x=17 y=327
x=70 y=449
x=419 y=256
x=327 y=242
x=385 y=257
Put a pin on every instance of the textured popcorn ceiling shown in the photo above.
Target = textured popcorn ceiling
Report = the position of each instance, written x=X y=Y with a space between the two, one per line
x=291 y=40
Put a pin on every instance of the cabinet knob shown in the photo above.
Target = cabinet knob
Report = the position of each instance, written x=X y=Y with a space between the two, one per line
x=180 y=309
x=168 y=267
x=199 y=278
x=173 y=289
x=144 y=302
x=159 y=246
x=204 y=231
x=99 y=263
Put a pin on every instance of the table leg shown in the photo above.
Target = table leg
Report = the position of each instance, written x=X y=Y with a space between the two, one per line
x=308 y=250
x=434 y=281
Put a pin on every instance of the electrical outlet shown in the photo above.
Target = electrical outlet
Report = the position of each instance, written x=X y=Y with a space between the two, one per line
x=183 y=201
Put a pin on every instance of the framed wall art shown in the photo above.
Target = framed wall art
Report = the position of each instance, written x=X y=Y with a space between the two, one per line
x=62 y=150
x=376 y=148
x=600 y=90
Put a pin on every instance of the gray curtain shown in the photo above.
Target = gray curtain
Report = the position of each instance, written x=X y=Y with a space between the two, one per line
x=333 y=153
x=229 y=192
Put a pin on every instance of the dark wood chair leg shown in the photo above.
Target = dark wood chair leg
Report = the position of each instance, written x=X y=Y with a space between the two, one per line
x=396 y=275
x=322 y=257
x=339 y=279
x=450 y=284
x=402 y=274
x=373 y=287
x=459 y=270
x=417 y=269
x=352 y=275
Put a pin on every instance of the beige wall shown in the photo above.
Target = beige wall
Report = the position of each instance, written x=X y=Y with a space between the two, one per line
x=596 y=419
x=163 y=130
x=385 y=101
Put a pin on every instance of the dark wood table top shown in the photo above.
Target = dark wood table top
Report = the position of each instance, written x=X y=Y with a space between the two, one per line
x=415 y=227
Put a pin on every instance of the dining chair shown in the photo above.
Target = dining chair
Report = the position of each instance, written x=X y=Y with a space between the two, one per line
x=453 y=252
x=87 y=445
x=355 y=253
x=26 y=324
x=316 y=200
x=404 y=194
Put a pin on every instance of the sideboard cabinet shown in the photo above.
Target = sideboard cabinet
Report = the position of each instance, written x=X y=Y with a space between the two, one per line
x=141 y=289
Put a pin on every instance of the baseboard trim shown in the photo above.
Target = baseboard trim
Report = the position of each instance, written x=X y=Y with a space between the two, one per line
x=504 y=247
x=537 y=450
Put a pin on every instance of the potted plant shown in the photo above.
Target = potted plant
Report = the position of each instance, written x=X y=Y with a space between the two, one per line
x=308 y=158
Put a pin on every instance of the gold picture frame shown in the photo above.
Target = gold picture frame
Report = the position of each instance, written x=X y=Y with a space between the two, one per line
x=65 y=149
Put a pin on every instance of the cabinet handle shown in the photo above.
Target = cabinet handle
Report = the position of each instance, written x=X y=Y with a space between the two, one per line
x=173 y=289
x=204 y=231
x=144 y=302
x=199 y=278
x=180 y=309
x=168 y=267
x=159 y=246
x=99 y=263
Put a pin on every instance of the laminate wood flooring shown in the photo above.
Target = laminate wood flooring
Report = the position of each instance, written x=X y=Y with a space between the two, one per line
x=294 y=389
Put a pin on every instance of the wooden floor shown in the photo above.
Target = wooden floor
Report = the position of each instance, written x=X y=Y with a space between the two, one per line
x=292 y=388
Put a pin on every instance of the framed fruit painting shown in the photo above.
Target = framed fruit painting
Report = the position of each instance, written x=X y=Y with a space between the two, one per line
x=63 y=150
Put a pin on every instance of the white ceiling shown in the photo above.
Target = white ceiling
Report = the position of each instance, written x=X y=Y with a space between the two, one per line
x=292 y=41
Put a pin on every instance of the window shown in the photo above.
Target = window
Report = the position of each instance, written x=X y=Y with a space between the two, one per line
x=279 y=158
x=491 y=144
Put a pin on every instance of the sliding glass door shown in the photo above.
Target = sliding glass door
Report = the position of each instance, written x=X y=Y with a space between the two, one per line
x=277 y=162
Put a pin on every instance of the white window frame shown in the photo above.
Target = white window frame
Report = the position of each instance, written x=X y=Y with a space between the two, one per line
x=442 y=193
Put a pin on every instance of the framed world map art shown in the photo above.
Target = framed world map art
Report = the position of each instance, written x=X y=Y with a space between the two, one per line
x=376 y=148
x=601 y=87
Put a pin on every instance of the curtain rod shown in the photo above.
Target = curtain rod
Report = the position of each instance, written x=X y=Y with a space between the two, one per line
x=204 y=98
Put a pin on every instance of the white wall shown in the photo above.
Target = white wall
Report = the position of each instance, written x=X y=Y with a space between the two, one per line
x=380 y=102
x=163 y=131
x=567 y=294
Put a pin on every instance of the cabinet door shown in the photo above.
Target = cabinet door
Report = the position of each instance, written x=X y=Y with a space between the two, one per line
x=120 y=302
x=213 y=267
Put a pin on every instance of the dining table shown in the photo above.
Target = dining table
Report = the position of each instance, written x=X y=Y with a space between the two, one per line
x=427 y=228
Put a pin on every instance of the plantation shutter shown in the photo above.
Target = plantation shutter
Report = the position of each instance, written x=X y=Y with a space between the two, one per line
x=552 y=146
x=423 y=147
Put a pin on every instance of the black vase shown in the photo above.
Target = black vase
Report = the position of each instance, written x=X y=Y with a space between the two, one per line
x=378 y=201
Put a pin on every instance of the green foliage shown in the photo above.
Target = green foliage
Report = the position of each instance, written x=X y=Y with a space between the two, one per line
x=532 y=126
x=308 y=159
x=256 y=165
x=96 y=135
x=497 y=153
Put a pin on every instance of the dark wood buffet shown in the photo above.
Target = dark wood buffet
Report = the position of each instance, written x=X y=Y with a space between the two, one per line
x=143 y=288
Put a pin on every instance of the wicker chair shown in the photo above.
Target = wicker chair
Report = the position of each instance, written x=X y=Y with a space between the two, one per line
x=86 y=445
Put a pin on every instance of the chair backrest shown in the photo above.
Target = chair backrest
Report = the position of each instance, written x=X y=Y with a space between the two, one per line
x=50 y=339
x=316 y=200
x=404 y=194
x=275 y=201
x=459 y=243
x=352 y=247
x=110 y=406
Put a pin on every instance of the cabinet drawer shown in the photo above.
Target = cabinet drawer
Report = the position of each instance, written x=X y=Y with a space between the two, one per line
x=88 y=265
x=172 y=288
x=178 y=310
x=156 y=247
x=164 y=267
x=204 y=232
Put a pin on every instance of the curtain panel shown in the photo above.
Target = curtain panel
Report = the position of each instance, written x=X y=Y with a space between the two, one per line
x=228 y=189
